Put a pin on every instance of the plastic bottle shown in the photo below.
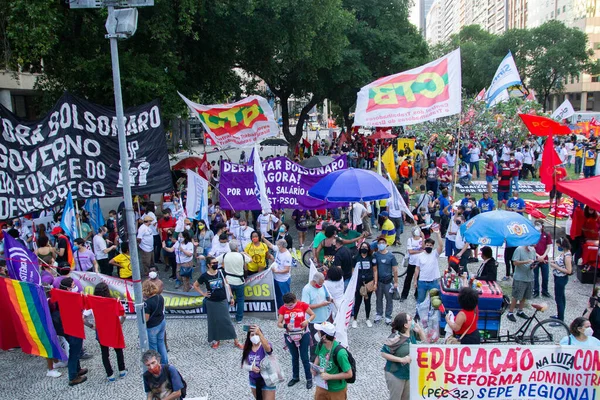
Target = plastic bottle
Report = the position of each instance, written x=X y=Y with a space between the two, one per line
x=292 y=321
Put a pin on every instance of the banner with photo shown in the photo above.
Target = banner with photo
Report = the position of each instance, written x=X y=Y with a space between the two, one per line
x=259 y=295
x=239 y=124
x=287 y=184
x=196 y=205
x=75 y=148
x=504 y=372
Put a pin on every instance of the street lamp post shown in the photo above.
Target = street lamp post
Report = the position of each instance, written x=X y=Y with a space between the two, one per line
x=121 y=24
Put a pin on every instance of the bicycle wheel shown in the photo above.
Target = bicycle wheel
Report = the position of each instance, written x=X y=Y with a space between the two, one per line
x=306 y=257
x=402 y=264
x=549 y=331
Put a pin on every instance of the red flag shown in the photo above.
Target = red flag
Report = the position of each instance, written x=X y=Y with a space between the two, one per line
x=531 y=95
x=542 y=126
x=594 y=122
x=481 y=95
x=108 y=324
x=130 y=304
x=70 y=305
x=343 y=139
x=550 y=160
x=204 y=168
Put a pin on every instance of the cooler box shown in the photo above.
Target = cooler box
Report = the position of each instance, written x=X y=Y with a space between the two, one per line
x=588 y=255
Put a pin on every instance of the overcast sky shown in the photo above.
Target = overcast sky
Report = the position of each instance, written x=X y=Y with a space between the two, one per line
x=414 y=13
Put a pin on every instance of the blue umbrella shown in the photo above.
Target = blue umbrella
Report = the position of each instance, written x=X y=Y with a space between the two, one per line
x=351 y=185
x=493 y=228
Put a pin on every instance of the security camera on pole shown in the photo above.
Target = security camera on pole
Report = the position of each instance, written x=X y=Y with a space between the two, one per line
x=122 y=24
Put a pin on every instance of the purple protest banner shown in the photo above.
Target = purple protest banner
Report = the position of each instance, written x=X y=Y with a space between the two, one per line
x=22 y=263
x=287 y=184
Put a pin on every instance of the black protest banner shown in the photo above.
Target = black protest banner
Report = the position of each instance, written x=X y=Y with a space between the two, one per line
x=75 y=148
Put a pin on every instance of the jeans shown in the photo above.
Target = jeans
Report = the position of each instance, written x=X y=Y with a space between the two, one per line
x=410 y=272
x=299 y=352
x=399 y=225
x=383 y=290
x=578 y=164
x=73 y=365
x=433 y=186
x=450 y=247
x=423 y=287
x=514 y=181
x=157 y=248
x=156 y=340
x=474 y=166
x=508 y=254
x=545 y=269
x=106 y=360
x=560 y=282
x=281 y=288
x=238 y=291
x=588 y=172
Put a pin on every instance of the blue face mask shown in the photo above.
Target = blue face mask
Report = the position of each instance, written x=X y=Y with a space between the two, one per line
x=75 y=247
x=381 y=246
x=559 y=248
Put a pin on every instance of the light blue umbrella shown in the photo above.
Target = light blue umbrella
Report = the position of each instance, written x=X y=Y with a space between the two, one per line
x=351 y=185
x=495 y=227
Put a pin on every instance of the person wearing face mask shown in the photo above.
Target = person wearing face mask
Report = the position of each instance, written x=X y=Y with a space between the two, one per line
x=101 y=251
x=366 y=284
x=220 y=247
x=258 y=252
x=268 y=224
x=414 y=247
x=62 y=243
x=582 y=334
x=161 y=381
x=515 y=169
x=542 y=249
x=396 y=352
x=334 y=360
x=123 y=262
x=515 y=203
x=427 y=271
x=145 y=239
x=256 y=349
x=562 y=267
x=184 y=254
x=292 y=317
x=111 y=226
x=387 y=275
x=431 y=178
x=445 y=176
x=64 y=273
x=84 y=259
x=166 y=223
x=522 y=287
x=317 y=297
x=245 y=233
x=205 y=238
x=283 y=234
x=281 y=269
x=301 y=218
x=153 y=276
x=474 y=154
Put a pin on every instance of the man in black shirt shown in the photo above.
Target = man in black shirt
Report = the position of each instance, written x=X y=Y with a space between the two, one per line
x=343 y=259
x=61 y=245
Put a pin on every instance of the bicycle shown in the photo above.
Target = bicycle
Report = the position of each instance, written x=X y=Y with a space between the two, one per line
x=547 y=331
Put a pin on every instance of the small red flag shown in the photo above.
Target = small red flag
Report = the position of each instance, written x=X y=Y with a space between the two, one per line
x=550 y=160
x=542 y=126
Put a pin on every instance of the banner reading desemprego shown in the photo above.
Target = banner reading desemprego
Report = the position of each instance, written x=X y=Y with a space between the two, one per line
x=75 y=147
x=504 y=372
x=287 y=184
x=259 y=294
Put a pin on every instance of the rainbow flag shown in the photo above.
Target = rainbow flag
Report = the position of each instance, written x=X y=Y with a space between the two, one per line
x=26 y=305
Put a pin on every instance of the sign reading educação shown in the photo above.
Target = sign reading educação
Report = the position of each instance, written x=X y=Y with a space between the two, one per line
x=504 y=372
x=75 y=148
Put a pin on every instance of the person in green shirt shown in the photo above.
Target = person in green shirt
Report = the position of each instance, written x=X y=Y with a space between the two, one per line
x=319 y=237
x=350 y=237
x=396 y=352
x=335 y=372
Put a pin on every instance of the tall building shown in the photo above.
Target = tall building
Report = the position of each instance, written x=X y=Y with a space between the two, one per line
x=433 y=32
x=424 y=7
x=540 y=11
x=517 y=14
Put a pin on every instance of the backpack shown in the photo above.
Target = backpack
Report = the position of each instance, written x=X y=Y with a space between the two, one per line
x=350 y=360
x=184 y=389
x=495 y=169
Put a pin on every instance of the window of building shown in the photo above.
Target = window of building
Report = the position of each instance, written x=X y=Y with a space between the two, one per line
x=558 y=12
x=595 y=79
x=564 y=8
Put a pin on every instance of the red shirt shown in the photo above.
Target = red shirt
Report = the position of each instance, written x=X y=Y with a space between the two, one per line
x=514 y=166
x=298 y=313
x=445 y=176
x=106 y=317
x=543 y=243
x=163 y=224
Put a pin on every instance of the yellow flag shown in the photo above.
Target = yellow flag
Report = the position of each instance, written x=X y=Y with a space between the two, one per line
x=388 y=160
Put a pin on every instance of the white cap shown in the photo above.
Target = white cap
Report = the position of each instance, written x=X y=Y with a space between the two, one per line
x=326 y=327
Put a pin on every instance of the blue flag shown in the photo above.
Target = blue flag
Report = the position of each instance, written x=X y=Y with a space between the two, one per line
x=68 y=222
x=92 y=206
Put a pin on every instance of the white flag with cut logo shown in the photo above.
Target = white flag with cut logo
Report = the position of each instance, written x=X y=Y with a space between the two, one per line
x=342 y=319
x=506 y=76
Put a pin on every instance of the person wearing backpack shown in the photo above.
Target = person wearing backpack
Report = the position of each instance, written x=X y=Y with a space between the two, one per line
x=396 y=352
x=336 y=362
x=162 y=381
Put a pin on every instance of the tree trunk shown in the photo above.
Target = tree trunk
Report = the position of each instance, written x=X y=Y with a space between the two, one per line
x=347 y=120
x=295 y=138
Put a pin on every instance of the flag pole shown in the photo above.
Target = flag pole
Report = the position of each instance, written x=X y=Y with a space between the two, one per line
x=456 y=156
x=555 y=206
x=78 y=221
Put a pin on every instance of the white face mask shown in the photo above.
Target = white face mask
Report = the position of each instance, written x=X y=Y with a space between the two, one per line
x=588 y=331
x=538 y=227
x=255 y=339
x=152 y=274
x=317 y=337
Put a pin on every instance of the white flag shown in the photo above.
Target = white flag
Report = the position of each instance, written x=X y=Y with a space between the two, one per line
x=505 y=77
x=397 y=202
x=312 y=271
x=342 y=319
x=259 y=182
x=501 y=98
x=196 y=206
x=564 y=111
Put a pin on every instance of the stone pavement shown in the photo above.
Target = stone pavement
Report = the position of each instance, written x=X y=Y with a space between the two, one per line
x=217 y=373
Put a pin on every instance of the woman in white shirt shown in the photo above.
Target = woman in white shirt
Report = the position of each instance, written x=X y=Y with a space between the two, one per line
x=281 y=269
x=414 y=247
x=184 y=253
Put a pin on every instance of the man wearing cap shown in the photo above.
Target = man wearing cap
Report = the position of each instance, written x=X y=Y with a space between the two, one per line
x=61 y=245
x=145 y=239
x=332 y=357
x=387 y=228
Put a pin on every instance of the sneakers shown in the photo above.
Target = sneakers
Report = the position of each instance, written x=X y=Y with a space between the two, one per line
x=354 y=324
x=547 y=295
x=506 y=278
x=511 y=317
x=215 y=344
x=521 y=314
x=85 y=356
x=123 y=374
x=293 y=381
x=554 y=317
x=377 y=318
x=60 y=364
x=388 y=321
x=369 y=324
x=52 y=373
x=111 y=378
x=309 y=384
x=78 y=380
x=536 y=295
